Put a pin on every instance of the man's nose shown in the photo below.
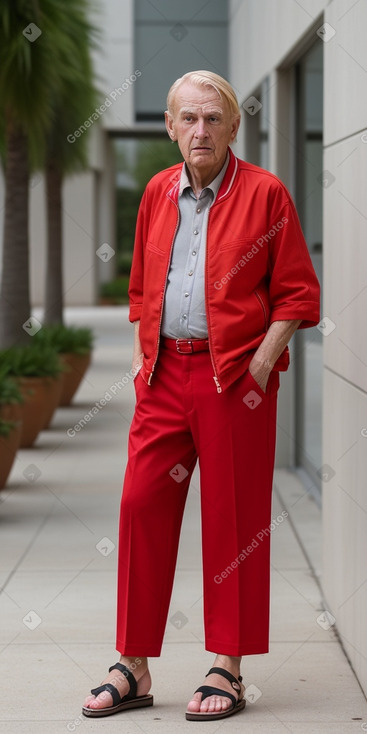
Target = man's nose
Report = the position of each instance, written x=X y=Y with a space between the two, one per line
x=201 y=128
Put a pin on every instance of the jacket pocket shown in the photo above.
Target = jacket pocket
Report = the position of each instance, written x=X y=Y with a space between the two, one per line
x=244 y=242
x=153 y=248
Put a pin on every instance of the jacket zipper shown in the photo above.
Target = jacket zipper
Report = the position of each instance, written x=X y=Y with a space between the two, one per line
x=215 y=378
x=165 y=283
x=257 y=294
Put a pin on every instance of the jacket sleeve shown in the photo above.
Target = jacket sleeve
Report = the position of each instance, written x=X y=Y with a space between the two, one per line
x=135 y=289
x=294 y=288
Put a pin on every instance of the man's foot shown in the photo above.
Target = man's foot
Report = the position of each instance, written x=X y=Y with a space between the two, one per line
x=139 y=669
x=215 y=703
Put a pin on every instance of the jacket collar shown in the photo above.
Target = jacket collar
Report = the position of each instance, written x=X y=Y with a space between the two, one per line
x=225 y=186
x=229 y=176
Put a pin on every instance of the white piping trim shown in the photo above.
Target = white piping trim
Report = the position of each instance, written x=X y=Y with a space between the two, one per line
x=231 y=181
x=170 y=192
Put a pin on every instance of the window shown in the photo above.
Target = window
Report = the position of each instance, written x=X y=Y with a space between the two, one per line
x=171 y=38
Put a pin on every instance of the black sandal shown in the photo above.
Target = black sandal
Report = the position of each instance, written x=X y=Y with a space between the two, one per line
x=120 y=703
x=237 y=704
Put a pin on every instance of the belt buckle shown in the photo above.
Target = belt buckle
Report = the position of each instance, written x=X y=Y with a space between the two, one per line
x=187 y=343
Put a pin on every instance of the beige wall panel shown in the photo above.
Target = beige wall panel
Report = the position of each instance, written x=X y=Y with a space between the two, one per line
x=345 y=259
x=345 y=104
x=79 y=261
x=115 y=62
x=262 y=34
x=37 y=240
x=344 y=576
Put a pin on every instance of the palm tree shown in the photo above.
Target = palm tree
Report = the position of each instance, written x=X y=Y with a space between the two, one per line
x=26 y=78
x=73 y=104
x=36 y=57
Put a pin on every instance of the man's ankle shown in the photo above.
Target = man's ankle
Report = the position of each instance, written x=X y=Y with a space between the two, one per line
x=133 y=662
x=228 y=662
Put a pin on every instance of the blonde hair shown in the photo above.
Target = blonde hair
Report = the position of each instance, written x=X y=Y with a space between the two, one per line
x=206 y=79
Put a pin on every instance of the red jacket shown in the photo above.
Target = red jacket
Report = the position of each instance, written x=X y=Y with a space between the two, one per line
x=258 y=269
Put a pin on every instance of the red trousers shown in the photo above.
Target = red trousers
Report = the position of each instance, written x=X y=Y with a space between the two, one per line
x=178 y=418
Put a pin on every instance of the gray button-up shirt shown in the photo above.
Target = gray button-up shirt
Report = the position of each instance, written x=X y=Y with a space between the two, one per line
x=184 y=314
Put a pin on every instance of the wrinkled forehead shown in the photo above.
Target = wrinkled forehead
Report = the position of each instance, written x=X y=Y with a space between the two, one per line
x=198 y=99
x=199 y=109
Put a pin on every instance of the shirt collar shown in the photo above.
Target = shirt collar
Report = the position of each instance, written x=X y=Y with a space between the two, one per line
x=214 y=185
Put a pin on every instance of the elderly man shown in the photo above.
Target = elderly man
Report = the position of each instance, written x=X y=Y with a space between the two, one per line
x=221 y=278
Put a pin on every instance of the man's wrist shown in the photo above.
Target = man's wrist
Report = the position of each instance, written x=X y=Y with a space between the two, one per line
x=264 y=366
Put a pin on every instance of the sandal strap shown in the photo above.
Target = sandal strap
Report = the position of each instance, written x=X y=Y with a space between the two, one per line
x=116 y=698
x=210 y=691
x=226 y=674
x=129 y=677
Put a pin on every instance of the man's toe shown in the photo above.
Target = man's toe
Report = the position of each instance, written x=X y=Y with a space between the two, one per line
x=103 y=700
x=215 y=703
x=88 y=701
x=194 y=704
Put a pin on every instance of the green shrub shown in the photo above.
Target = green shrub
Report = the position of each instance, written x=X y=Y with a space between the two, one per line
x=65 y=339
x=9 y=391
x=35 y=360
x=6 y=427
x=116 y=290
x=124 y=263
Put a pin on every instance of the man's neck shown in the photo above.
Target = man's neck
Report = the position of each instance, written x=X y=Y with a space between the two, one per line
x=199 y=179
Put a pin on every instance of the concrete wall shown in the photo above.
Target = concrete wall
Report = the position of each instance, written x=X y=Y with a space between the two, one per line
x=345 y=348
x=266 y=38
x=263 y=34
x=114 y=62
x=80 y=217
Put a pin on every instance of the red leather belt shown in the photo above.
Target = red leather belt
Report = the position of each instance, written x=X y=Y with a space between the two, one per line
x=186 y=346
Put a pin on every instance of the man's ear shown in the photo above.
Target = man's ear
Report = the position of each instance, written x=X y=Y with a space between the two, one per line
x=170 y=126
x=235 y=126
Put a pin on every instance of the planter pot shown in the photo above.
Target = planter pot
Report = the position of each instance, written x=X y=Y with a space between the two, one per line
x=11 y=412
x=8 y=448
x=76 y=366
x=54 y=389
x=35 y=393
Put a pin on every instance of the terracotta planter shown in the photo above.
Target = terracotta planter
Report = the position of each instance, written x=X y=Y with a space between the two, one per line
x=76 y=367
x=54 y=389
x=35 y=392
x=8 y=448
x=11 y=412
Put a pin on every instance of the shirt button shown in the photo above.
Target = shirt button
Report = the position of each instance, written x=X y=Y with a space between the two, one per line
x=187 y=294
x=196 y=231
x=193 y=252
x=198 y=210
x=191 y=272
x=184 y=316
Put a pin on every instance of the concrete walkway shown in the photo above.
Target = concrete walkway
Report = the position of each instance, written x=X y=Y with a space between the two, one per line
x=58 y=522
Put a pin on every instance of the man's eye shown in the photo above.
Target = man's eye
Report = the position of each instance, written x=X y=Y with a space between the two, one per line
x=188 y=118
x=213 y=119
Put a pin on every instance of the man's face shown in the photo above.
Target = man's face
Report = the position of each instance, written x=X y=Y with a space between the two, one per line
x=203 y=126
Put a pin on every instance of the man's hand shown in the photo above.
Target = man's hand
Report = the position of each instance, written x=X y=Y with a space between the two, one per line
x=260 y=372
x=273 y=344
